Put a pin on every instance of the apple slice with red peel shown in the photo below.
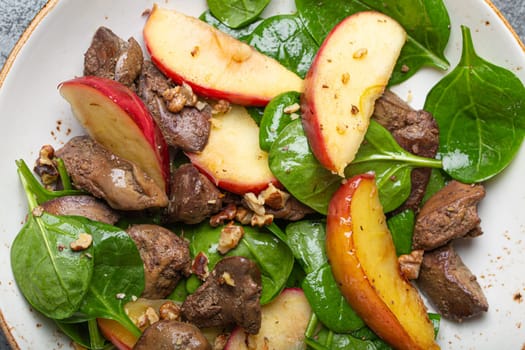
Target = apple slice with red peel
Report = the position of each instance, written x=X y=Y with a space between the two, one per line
x=117 y=334
x=117 y=118
x=232 y=159
x=350 y=71
x=363 y=258
x=213 y=63
x=283 y=324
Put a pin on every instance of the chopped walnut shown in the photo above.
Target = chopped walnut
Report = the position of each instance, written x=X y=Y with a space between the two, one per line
x=83 y=242
x=227 y=214
x=291 y=108
x=220 y=341
x=200 y=266
x=243 y=216
x=148 y=318
x=274 y=197
x=169 y=311
x=410 y=264
x=255 y=203
x=45 y=167
x=226 y=278
x=178 y=97
x=220 y=107
x=230 y=237
x=261 y=220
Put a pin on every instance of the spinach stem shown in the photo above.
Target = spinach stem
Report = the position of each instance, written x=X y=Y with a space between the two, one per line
x=95 y=338
x=64 y=176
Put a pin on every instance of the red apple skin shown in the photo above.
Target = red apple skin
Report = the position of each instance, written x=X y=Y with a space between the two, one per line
x=236 y=96
x=117 y=334
x=131 y=104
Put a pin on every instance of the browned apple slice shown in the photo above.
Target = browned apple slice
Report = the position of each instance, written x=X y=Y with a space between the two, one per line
x=283 y=324
x=349 y=73
x=213 y=63
x=362 y=255
x=116 y=118
x=232 y=159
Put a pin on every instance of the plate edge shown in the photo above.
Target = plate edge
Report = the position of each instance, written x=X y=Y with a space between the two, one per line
x=24 y=37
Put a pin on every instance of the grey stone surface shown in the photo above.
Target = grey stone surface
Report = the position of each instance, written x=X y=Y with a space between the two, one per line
x=15 y=15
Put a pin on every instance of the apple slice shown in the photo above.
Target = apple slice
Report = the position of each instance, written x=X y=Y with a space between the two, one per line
x=362 y=255
x=349 y=73
x=117 y=334
x=115 y=117
x=232 y=159
x=213 y=63
x=283 y=324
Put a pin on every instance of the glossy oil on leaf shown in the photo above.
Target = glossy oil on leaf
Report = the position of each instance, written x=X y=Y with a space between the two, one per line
x=237 y=13
x=275 y=119
x=480 y=110
x=427 y=24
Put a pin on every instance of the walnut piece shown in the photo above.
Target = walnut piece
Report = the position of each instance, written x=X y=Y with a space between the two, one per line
x=83 y=242
x=230 y=237
x=410 y=264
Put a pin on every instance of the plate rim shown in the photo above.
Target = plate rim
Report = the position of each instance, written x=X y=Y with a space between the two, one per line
x=49 y=6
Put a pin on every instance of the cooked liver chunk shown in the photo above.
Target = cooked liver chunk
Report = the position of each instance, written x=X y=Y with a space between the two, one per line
x=86 y=206
x=229 y=296
x=98 y=171
x=193 y=197
x=166 y=258
x=450 y=285
x=172 y=335
x=188 y=129
x=416 y=131
x=450 y=213
x=111 y=57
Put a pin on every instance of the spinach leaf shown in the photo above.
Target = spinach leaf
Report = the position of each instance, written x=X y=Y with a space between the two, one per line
x=238 y=33
x=391 y=164
x=328 y=303
x=401 y=226
x=35 y=187
x=53 y=278
x=306 y=239
x=284 y=38
x=294 y=165
x=118 y=275
x=273 y=257
x=438 y=180
x=237 y=13
x=274 y=119
x=481 y=116
x=427 y=24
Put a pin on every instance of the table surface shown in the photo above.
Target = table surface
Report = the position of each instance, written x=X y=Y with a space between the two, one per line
x=15 y=15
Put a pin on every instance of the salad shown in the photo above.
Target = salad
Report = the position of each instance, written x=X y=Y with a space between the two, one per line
x=457 y=161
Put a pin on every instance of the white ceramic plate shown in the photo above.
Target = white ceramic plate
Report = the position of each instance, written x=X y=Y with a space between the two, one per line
x=32 y=114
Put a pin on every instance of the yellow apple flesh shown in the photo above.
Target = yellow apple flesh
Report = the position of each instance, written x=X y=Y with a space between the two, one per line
x=213 y=63
x=362 y=255
x=349 y=73
x=232 y=158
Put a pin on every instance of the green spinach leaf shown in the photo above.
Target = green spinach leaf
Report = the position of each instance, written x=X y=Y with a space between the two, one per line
x=274 y=258
x=391 y=164
x=284 y=38
x=275 y=119
x=52 y=277
x=328 y=303
x=295 y=166
x=118 y=275
x=237 y=13
x=401 y=227
x=480 y=111
x=306 y=239
x=238 y=33
x=427 y=24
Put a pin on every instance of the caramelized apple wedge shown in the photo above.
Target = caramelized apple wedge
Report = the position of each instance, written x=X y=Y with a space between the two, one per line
x=115 y=117
x=213 y=63
x=349 y=73
x=362 y=255
x=232 y=159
